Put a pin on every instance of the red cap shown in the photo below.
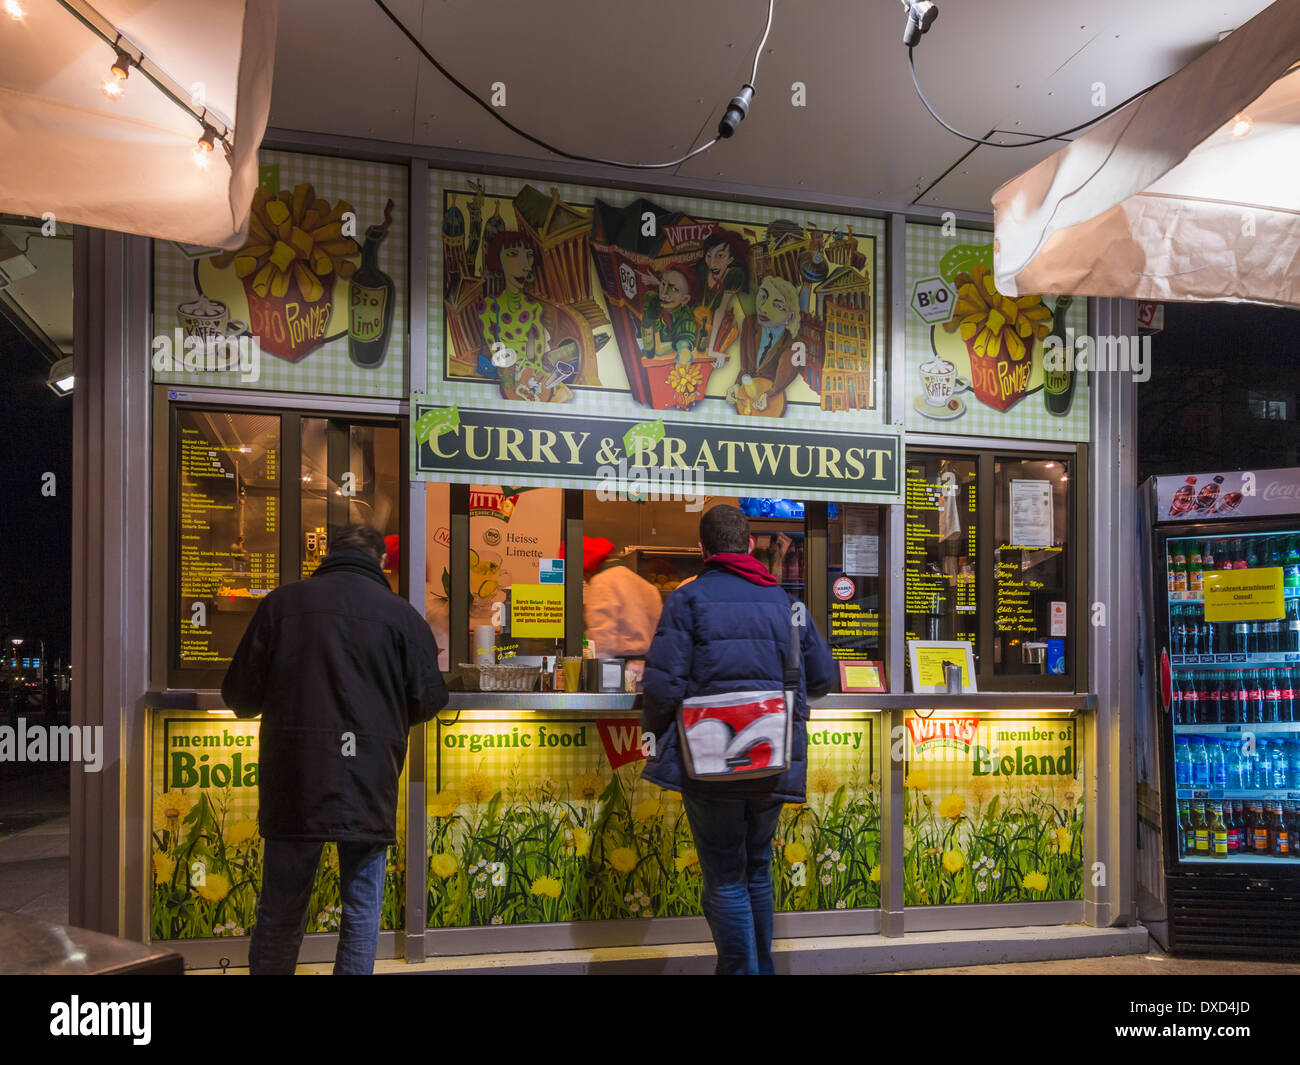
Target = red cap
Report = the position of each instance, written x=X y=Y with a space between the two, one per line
x=595 y=549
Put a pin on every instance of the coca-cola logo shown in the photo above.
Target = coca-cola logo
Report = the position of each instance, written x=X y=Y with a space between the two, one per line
x=1282 y=490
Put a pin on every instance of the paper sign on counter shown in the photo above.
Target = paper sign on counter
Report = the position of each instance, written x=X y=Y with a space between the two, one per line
x=537 y=610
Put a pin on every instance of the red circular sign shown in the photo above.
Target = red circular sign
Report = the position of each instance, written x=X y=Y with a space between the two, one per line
x=843 y=589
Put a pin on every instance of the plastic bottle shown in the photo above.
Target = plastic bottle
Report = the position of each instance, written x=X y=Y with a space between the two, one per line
x=1200 y=763
x=1263 y=767
x=1280 y=768
x=1218 y=766
x=1234 y=766
x=1182 y=763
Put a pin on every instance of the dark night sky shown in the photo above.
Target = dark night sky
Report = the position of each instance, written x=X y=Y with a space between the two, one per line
x=35 y=530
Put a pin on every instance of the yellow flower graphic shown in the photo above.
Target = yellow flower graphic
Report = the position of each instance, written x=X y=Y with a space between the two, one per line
x=588 y=786
x=875 y=875
x=214 y=888
x=547 y=886
x=1063 y=840
x=795 y=853
x=579 y=842
x=646 y=810
x=795 y=806
x=444 y=804
x=823 y=781
x=687 y=860
x=478 y=787
x=954 y=862
x=623 y=859
x=241 y=832
x=918 y=779
x=163 y=868
x=170 y=808
x=1034 y=882
x=443 y=865
x=952 y=807
x=982 y=790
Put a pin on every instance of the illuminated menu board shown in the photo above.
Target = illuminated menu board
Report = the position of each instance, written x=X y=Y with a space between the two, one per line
x=940 y=550
x=227 y=498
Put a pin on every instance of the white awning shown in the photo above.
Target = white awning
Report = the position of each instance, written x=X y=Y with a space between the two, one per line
x=1189 y=193
x=128 y=163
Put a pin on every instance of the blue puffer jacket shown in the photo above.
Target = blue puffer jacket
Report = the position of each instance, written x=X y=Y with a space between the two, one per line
x=721 y=633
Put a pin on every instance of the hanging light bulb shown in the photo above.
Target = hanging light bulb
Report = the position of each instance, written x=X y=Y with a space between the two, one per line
x=15 y=10
x=113 y=86
x=203 y=150
x=1242 y=124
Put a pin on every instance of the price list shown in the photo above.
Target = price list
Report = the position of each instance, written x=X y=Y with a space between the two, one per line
x=1014 y=610
x=228 y=524
x=940 y=555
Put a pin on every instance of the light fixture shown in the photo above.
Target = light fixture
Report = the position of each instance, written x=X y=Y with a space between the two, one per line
x=15 y=10
x=203 y=150
x=112 y=86
x=1242 y=124
x=60 y=379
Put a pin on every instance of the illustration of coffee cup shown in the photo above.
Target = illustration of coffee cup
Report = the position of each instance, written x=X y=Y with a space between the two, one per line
x=209 y=319
x=939 y=382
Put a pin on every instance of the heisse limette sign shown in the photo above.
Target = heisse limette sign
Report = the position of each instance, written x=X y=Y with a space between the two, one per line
x=485 y=446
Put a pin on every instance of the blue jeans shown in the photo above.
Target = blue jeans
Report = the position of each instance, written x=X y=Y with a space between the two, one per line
x=733 y=838
x=288 y=875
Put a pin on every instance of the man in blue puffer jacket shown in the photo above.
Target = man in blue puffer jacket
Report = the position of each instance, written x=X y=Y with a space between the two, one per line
x=729 y=631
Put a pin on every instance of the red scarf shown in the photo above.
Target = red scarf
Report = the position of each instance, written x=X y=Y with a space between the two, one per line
x=746 y=566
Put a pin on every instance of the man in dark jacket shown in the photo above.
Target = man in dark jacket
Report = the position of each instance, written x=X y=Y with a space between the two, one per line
x=340 y=669
x=729 y=631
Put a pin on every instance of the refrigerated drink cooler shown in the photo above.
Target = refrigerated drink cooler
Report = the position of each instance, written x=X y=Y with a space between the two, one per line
x=1219 y=749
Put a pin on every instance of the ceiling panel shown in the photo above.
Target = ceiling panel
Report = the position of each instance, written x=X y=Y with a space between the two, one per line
x=644 y=82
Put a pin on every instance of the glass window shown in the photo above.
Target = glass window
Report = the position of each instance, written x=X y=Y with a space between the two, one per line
x=227 y=498
x=1031 y=622
x=350 y=475
x=941 y=549
x=853 y=588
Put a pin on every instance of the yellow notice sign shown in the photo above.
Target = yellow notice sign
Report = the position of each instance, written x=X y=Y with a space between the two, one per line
x=1244 y=594
x=537 y=610
x=931 y=660
x=861 y=676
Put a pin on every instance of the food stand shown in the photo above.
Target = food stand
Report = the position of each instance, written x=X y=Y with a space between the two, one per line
x=488 y=368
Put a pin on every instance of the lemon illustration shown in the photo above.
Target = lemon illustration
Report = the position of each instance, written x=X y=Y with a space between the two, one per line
x=487 y=588
x=473 y=558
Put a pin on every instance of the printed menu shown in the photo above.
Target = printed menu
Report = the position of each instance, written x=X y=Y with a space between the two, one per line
x=940 y=556
x=228 y=525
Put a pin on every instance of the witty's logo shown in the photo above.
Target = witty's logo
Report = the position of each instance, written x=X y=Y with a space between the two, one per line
x=492 y=503
x=942 y=734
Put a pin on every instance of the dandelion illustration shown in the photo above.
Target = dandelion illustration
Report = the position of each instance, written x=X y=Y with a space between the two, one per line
x=687 y=860
x=982 y=789
x=170 y=808
x=444 y=804
x=952 y=807
x=241 y=832
x=646 y=810
x=823 y=781
x=443 y=865
x=795 y=852
x=623 y=859
x=918 y=780
x=163 y=868
x=478 y=787
x=1063 y=838
x=579 y=841
x=587 y=787
x=214 y=888
x=1034 y=882
x=954 y=861
x=875 y=875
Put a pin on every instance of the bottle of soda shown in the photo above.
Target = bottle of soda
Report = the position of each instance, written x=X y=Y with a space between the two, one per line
x=1241 y=637
x=1213 y=714
x=1180 y=568
x=1291 y=637
x=1279 y=835
x=1275 y=552
x=1194 y=563
x=1291 y=564
x=1218 y=830
x=1227 y=560
x=1256 y=684
x=1209 y=561
x=1236 y=839
x=1291 y=817
x=1273 y=636
x=1238 y=554
x=1200 y=829
x=1193 y=631
x=1169 y=572
x=1252 y=553
x=1206 y=497
x=1257 y=825
x=1182 y=828
x=1191 y=698
x=1272 y=695
x=1207 y=634
x=1184 y=499
x=1240 y=698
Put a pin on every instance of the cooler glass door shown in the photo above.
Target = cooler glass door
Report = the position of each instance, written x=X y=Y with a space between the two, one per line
x=1231 y=624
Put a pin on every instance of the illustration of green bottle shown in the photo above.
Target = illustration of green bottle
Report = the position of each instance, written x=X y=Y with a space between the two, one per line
x=1058 y=385
x=371 y=296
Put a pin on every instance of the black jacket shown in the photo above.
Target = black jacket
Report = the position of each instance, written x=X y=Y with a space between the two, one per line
x=340 y=668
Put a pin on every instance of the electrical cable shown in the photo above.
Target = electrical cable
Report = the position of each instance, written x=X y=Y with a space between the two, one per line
x=537 y=140
x=911 y=63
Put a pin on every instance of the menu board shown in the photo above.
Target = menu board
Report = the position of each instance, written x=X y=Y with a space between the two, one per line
x=1014 y=612
x=227 y=498
x=940 y=555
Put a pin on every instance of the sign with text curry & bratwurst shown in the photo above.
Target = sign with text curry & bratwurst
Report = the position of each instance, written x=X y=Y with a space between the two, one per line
x=700 y=320
x=650 y=459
